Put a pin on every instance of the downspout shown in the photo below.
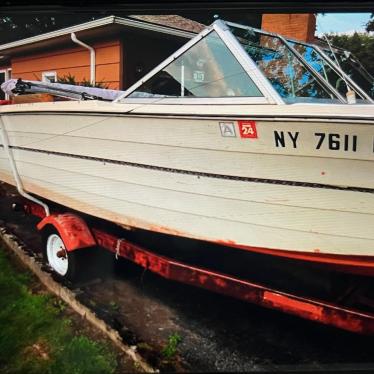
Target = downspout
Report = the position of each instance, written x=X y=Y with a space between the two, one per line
x=92 y=57
x=13 y=167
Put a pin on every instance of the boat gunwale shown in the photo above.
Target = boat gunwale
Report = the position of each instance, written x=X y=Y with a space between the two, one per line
x=292 y=117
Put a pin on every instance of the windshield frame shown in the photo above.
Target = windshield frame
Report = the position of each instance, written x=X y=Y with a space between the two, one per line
x=270 y=95
x=336 y=68
x=338 y=51
x=326 y=85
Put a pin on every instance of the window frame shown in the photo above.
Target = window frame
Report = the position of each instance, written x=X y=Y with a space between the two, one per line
x=45 y=75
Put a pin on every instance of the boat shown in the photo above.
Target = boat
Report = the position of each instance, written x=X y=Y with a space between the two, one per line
x=237 y=139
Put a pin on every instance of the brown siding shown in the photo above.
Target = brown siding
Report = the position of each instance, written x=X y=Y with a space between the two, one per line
x=295 y=26
x=75 y=61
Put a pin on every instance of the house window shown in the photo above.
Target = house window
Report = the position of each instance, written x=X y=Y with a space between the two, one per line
x=49 y=76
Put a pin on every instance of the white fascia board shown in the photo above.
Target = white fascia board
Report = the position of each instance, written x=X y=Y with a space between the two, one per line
x=154 y=27
x=97 y=23
x=61 y=32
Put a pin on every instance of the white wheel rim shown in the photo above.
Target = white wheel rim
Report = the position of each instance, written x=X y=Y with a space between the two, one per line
x=54 y=246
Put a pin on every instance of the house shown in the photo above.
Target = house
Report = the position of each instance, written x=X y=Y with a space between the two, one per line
x=117 y=51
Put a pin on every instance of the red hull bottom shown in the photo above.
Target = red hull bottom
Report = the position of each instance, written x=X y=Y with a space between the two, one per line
x=333 y=313
x=359 y=265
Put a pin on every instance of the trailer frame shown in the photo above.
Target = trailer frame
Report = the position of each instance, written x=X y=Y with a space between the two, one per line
x=76 y=234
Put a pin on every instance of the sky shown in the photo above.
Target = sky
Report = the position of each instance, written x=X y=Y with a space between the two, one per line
x=342 y=22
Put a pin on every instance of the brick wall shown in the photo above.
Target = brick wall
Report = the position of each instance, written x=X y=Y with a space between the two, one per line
x=295 y=26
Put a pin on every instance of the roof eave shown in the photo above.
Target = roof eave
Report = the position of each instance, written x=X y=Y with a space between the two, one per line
x=94 y=24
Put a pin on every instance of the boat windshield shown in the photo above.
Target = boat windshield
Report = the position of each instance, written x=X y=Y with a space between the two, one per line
x=208 y=69
x=321 y=65
x=353 y=67
x=287 y=74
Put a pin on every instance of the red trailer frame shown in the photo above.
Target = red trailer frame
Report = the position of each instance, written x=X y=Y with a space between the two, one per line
x=77 y=234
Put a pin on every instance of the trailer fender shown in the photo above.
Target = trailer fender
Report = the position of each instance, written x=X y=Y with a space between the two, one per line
x=73 y=230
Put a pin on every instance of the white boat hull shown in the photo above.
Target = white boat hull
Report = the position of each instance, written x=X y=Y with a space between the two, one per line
x=277 y=192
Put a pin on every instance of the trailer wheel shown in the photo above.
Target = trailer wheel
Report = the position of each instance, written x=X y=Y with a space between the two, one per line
x=63 y=263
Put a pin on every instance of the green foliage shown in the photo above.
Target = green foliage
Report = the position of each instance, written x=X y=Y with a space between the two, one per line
x=66 y=79
x=59 y=305
x=35 y=337
x=20 y=26
x=170 y=349
x=25 y=24
x=370 y=24
x=70 y=79
x=360 y=44
x=87 y=356
x=114 y=306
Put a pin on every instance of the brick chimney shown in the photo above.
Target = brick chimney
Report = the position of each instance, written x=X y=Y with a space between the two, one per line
x=295 y=26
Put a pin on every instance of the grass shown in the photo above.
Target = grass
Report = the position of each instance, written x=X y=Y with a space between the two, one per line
x=36 y=337
x=170 y=349
x=113 y=306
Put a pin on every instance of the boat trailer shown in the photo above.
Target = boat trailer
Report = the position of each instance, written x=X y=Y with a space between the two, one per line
x=76 y=234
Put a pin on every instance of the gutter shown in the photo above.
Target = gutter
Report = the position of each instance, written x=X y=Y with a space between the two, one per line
x=61 y=32
x=92 y=57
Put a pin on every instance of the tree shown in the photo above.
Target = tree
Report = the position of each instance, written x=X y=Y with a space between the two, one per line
x=370 y=24
x=362 y=47
x=360 y=44
x=18 y=27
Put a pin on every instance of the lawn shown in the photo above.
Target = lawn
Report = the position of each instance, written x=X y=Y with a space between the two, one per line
x=36 y=336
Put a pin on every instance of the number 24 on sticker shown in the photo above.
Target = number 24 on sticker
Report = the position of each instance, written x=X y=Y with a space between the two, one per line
x=248 y=129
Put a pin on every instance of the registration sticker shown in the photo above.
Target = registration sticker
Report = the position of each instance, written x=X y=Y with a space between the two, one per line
x=247 y=129
x=198 y=76
x=227 y=129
